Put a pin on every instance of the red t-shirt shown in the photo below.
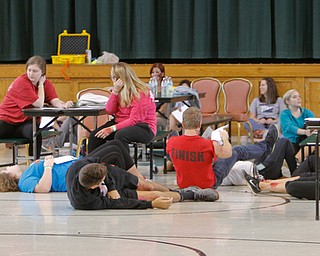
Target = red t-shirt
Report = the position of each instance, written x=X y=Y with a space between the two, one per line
x=20 y=95
x=192 y=157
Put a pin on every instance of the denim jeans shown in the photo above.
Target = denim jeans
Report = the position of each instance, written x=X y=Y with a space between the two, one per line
x=239 y=153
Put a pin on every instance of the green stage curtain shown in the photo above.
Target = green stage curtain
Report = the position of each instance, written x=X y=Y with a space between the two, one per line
x=164 y=29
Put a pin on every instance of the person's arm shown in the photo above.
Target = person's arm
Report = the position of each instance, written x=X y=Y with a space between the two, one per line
x=162 y=202
x=253 y=110
x=114 y=194
x=57 y=103
x=44 y=184
x=224 y=150
x=41 y=95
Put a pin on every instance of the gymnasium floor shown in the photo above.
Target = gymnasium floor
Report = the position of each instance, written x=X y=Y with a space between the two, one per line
x=238 y=224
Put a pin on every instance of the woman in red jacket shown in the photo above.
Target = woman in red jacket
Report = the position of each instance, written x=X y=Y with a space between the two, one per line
x=133 y=108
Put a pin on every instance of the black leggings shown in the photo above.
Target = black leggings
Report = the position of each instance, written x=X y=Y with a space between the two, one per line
x=304 y=187
x=118 y=160
x=22 y=130
x=140 y=132
x=113 y=152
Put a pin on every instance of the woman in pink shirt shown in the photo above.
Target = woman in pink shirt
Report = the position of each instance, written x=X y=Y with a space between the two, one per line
x=133 y=108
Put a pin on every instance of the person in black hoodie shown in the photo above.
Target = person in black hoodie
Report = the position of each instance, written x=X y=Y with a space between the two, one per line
x=99 y=181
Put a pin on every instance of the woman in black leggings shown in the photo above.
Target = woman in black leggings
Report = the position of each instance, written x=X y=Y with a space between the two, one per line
x=300 y=185
x=114 y=152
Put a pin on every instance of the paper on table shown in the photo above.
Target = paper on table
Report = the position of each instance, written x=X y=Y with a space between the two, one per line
x=215 y=135
x=63 y=159
x=179 y=112
x=312 y=119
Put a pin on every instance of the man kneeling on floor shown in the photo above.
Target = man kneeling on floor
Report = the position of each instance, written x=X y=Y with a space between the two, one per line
x=93 y=185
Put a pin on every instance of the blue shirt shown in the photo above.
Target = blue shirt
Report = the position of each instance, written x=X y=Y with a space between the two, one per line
x=31 y=176
x=290 y=124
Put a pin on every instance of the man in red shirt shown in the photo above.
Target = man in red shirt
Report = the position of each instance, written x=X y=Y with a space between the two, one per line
x=195 y=158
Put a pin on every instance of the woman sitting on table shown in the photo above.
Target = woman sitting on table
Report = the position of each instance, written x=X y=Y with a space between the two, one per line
x=29 y=90
x=133 y=107
x=292 y=120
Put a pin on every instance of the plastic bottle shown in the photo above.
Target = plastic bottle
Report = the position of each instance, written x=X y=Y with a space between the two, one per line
x=169 y=86
x=153 y=85
x=164 y=86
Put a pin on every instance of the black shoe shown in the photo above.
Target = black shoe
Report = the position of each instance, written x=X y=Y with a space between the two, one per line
x=255 y=172
x=272 y=137
x=252 y=183
x=206 y=195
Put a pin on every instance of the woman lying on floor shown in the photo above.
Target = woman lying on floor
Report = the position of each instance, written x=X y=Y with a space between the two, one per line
x=47 y=176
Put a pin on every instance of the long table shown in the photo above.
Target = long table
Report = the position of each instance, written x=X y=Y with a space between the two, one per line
x=78 y=114
x=173 y=98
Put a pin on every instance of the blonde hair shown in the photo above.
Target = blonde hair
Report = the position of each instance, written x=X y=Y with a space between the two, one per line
x=287 y=95
x=191 y=118
x=132 y=84
x=8 y=183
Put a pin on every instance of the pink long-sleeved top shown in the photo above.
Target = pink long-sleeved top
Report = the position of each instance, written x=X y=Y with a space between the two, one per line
x=141 y=110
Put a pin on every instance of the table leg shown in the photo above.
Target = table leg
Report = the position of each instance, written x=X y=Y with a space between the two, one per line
x=317 y=177
x=71 y=136
x=34 y=137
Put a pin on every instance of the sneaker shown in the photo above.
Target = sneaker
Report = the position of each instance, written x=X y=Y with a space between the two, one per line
x=191 y=188
x=252 y=183
x=272 y=136
x=254 y=172
x=206 y=195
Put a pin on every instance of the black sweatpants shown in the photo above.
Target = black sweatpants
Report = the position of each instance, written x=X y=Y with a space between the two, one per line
x=140 y=132
x=22 y=130
x=283 y=151
x=113 y=152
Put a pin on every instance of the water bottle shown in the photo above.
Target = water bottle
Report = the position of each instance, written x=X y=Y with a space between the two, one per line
x=153 y=83
x=169 y=86
x=164 y=86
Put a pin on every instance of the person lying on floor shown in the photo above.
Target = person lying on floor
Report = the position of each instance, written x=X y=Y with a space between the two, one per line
x=192 y=155
x=93 y=185
x=301 y=185
x=269 y=168
x=47 y=176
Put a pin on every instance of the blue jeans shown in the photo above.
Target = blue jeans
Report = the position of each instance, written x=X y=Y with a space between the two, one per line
x=239 y=153
x=255 y=125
